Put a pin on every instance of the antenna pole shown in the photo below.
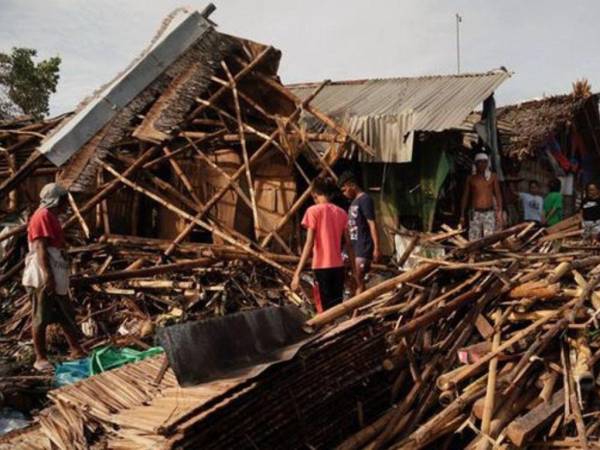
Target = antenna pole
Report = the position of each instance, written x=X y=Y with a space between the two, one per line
x=458 y=21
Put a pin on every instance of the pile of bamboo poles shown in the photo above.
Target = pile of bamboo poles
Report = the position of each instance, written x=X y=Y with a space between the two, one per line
x=495 y=346
x=113 y=296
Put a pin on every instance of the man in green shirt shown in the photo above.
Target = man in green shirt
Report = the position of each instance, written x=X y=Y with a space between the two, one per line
x=553 y=203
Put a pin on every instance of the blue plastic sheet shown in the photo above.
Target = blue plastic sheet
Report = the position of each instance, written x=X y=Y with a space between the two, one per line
x=71 y=371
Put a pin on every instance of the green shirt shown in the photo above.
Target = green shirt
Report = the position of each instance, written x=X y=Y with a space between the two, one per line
x=553 y=201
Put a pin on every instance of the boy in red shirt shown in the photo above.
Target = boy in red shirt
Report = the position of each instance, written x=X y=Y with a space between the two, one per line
x=325 y=225
x=46 y=275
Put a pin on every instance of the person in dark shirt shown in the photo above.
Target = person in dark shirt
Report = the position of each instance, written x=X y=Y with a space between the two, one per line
x=361 y=226
x=590 y=212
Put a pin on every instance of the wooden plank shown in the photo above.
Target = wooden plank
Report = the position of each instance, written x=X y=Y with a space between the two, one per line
x=525 y=427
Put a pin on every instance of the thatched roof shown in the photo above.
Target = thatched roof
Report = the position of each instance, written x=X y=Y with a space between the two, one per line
x=528 y=124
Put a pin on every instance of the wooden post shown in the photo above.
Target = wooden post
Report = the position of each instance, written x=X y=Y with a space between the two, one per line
x=257 y=154
x=196 y=221
x=238 y=114
x=520 y=430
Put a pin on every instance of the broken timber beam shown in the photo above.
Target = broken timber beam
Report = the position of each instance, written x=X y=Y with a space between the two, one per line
x=520 y=430
x=365 y=297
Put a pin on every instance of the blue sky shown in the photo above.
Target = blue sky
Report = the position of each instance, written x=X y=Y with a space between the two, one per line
x=548 y=44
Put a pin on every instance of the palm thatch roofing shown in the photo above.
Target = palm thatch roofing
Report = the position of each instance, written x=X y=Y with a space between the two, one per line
x=528 y=124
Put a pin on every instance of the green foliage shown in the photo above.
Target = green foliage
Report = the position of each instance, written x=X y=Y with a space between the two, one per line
x=25 y=87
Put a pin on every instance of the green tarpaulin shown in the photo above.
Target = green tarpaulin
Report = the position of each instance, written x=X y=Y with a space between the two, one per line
x=100 y=360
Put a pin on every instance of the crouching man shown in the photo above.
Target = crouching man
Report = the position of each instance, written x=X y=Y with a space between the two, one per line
x=46 y=275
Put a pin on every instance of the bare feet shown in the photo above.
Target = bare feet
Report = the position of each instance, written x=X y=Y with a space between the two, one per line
x=77 y=353
x=43 y=365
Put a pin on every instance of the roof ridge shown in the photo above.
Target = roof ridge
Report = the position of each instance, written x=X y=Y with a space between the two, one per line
x=420 y=77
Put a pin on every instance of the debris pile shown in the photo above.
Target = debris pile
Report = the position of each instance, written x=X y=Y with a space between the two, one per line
x=495 y=344
x=324 y=383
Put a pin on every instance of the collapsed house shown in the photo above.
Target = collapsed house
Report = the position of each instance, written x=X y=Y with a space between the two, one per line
x=185 y=174
x=556 y=137
x=215 y=133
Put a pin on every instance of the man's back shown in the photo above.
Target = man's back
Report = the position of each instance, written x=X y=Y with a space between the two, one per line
x=329 y=222
x=361 y=211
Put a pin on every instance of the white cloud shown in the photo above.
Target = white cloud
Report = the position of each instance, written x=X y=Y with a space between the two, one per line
x=547 y=43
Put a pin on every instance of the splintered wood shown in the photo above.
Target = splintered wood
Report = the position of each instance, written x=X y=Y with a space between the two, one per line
x=502 y=359
x=183 y=207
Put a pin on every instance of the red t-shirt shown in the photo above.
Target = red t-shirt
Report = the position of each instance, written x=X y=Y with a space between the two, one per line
x=44 y=224
x=329 y=222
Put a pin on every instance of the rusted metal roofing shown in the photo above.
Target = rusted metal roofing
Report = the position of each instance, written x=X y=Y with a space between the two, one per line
x=433 y=103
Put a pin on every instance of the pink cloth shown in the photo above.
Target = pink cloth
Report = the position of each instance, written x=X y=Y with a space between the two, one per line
x=329 y=223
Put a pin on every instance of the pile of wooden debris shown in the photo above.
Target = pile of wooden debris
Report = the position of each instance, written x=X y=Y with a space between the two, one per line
x=183 y=195
x=495 y=345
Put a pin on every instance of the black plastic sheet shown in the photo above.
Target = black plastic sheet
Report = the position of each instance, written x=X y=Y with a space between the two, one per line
x=241 y=344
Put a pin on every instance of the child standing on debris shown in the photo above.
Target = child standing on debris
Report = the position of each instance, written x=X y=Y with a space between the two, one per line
x=553 y=203
x=46 y=275
x=361 y=226
x=590 y=212
x=532 y=203
x=325 y=225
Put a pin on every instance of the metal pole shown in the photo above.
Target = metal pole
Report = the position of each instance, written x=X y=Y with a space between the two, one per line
x=458 y=21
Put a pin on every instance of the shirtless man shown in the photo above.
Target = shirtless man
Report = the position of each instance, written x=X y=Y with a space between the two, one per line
x=482 y=195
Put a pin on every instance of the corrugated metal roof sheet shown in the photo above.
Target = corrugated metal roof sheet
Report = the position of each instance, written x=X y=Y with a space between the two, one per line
x=182 y=29
x=436 y=103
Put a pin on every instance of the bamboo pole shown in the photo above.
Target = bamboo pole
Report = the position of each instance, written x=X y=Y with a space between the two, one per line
x=365 y=297
x=514 y=339
x=240 y=123
x=488 y=409
x=138 y=273
x=196 y=221
x=75 y=208
x=224 y=174
x=315 y=112
x=181 y=175
x=575 y=407
x=255 y=157
x=247 y=68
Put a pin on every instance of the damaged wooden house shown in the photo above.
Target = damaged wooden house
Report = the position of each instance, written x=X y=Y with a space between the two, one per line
x=196 y=140
x=556 y=137
x=416 y=127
